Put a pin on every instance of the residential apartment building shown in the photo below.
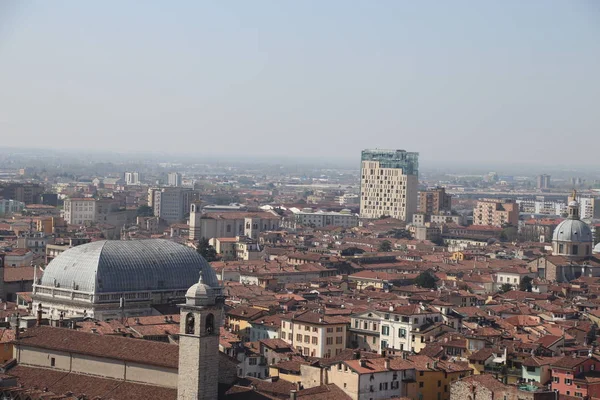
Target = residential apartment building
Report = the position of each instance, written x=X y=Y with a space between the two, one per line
x=589 y=207
x=374 y=378
x=396 y=327
x=314 y=334
x=11 y=206
x=493 y=212
x=36 y=242
x=434 y=201
x=79 y=211
x=133 y=178
x=231 y=224
x=321 y=219
x=174 y=179
x=239 y=248
x=543 y=181
x=171 y=204
x=28 y=193
x=389 y=184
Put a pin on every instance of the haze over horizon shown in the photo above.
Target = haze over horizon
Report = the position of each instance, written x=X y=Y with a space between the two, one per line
x=506 y=82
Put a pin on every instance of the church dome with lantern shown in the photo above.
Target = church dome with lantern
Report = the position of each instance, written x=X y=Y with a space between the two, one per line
x=572 y=237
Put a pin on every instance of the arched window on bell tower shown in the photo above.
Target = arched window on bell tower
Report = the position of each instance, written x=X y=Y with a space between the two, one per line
x=209 y=324
x=190 y=324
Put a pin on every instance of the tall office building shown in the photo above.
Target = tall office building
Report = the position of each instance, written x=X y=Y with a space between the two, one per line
x=434 y=201
x=174 y=179
x=133 y=178
x=389 y=184
x=543 y=181
x=172 y=204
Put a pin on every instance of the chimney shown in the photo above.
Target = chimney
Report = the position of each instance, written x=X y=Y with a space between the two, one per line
x=363 y=363
x=357 y=355
x=386 y=364
x=293 y=394
x=39 y=314
x=18 y=328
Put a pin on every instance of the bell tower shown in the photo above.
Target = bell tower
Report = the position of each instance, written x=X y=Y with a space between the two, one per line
x=195 y=223
x=200 y=321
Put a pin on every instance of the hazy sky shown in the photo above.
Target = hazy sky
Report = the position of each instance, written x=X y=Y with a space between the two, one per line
x=468 y=80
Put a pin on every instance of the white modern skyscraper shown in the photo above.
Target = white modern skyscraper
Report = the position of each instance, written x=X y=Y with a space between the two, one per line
x=174 y=179
x=389 y=184
x=133 y=178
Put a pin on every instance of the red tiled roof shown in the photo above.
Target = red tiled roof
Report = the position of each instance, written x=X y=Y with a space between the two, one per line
x=105 y=346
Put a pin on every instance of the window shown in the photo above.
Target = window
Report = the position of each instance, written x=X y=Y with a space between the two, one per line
x=402 y=332
x=339 y=329
x=329 y=340
x=290 y=336
x=298 y=337
x=339 y=340
x=374 y=340
x=421 y=383
x=53 y=362
x=209 y=324
x=252 y=361
x=190 y=324
x=568 y=381
x=439 y=383
x=530 y=369
x=578 y=394
x=385 y=330
x=306 y=339
x=315 y=340
x=420 y=373
x=307 y=328
x=329 y=330
x=383 y=386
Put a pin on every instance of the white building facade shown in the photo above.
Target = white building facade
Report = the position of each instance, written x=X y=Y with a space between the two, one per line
x=389 y=184
x=79 y=211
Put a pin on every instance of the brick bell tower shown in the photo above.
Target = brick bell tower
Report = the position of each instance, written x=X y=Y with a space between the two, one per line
x=201 y=317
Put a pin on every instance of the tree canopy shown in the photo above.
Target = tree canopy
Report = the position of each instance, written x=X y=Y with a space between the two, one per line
x=351 y=251
x=526 y=285
x=507 y=287
x=425 y=280
x=145 y=211
x=385 y=246
x=206 y=250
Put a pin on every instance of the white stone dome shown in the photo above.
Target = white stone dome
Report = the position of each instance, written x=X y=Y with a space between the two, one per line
x=201 y=294
x=597 y=249
x=572 y=230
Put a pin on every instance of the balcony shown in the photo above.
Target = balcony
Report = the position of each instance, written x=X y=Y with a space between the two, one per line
x=503 y=370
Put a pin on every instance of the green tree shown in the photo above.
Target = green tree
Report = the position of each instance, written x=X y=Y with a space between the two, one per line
x=509 y=234
x=425 y=280
x=526 y=285
x=351 y=251
x=206 y=250
x=145 y=211
x=385 y=246
x=507 y=287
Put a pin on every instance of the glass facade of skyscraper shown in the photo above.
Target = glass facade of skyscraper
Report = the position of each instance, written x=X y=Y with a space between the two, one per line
x=408 y=161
